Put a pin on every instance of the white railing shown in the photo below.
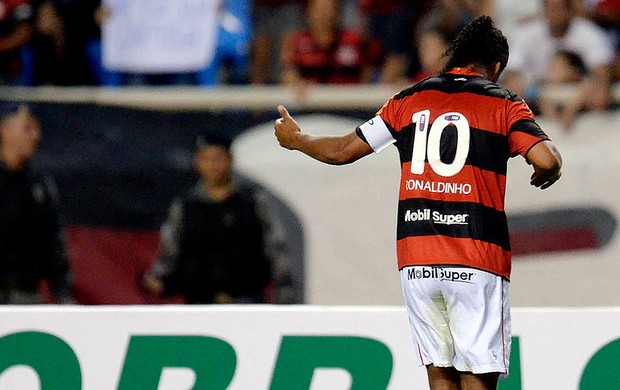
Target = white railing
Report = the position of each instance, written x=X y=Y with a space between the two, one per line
x=324 y=97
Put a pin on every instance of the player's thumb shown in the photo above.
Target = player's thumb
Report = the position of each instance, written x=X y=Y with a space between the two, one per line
x=284 y=112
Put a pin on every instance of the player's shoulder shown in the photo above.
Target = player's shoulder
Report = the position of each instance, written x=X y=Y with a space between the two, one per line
x=492 y=89
x=425 y=84
x=459 y=84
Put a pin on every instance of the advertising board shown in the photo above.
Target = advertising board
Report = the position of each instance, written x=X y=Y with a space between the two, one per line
x=278 y=347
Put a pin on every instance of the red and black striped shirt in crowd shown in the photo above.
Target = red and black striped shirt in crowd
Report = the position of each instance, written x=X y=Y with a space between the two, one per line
x=344 y=61
x=454 y=134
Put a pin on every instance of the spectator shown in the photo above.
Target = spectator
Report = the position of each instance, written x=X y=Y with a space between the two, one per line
x=606 y=13
x=213 y=243
x=94 y=49
x=391 y=23
x=153 y=62
x=272 y=20
x=559 y=29
x=43 y=59
x=232 y=52
x=565 y=67
x=80 y=28
x=450 y=15
x=32 y=247
x=509 y=15
x=324 y=53
x=57 y=53
x=439 y=21
x=432 y=46
x=15 y=32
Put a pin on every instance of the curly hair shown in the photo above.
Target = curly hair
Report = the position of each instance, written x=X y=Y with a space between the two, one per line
x=480 y=43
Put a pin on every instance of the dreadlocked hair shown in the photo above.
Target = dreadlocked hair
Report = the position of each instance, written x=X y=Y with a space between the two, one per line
x=480 y=43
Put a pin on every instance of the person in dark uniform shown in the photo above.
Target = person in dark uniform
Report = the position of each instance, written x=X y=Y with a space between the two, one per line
x=16 y=30
x=32 y=243
x=455 y=134
x=213 y=244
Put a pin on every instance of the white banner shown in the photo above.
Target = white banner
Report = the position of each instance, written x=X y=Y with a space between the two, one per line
x=159 y=36
x=280 y=348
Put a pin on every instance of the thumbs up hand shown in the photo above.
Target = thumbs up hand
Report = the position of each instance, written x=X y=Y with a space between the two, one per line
x=287 y=130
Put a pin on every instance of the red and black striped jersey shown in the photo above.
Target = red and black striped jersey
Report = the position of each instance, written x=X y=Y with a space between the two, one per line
x=342 y=62
x=454 y=134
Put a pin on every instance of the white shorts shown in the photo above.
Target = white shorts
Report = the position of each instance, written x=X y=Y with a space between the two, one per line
x=460 y=317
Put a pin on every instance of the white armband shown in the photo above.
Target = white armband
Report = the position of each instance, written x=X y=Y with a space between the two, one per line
x=377 y=134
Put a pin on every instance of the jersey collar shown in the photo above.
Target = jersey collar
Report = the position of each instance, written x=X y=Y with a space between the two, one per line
x=464 y=72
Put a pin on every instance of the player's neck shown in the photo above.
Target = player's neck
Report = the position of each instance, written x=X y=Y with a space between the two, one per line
x=477 y=69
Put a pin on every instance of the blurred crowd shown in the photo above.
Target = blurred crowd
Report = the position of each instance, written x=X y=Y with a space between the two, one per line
x=58 y=42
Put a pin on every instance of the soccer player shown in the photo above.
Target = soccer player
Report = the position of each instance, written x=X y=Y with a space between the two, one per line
x=454 y=134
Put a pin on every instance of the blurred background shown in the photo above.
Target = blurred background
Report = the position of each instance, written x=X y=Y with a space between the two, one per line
x=122 y=89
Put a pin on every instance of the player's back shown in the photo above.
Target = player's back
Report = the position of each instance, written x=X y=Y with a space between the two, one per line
x=452 y=133
x=454 y=128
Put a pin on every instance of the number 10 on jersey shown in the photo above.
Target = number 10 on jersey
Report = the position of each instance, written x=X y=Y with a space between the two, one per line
x=427 y=142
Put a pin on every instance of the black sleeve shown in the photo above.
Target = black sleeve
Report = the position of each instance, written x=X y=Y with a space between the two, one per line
x=530 y=127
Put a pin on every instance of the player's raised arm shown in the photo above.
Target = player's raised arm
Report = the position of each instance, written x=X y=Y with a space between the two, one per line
x=547 y=163
x=334 y=150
